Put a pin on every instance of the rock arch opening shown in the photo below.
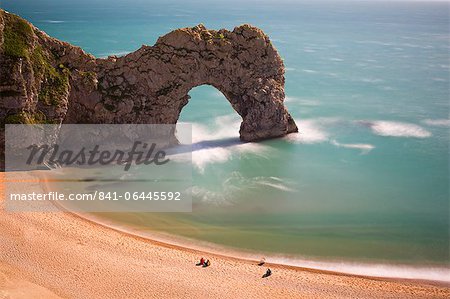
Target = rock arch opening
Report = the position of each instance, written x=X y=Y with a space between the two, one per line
x=206 y=107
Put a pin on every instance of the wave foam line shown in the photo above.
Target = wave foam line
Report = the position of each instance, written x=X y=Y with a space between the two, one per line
x=310 y=132
x=437 y=274
x=437 y=122
x=440 y=274
x=396 y=129
x=364 y=147
x=219 y=142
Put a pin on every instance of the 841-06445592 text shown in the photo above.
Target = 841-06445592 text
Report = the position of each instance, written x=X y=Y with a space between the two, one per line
x=98 y=195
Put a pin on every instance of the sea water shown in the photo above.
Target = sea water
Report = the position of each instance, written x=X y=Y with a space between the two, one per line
x=366 y=179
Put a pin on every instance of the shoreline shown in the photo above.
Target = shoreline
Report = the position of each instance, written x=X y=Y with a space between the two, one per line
x=211 y=249
x=241 y=256
x=89 y=259
x=185 y=244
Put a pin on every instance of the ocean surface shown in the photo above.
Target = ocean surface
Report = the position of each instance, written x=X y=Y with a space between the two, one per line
x=367 y=178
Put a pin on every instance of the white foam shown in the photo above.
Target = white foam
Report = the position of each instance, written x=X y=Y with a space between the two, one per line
x=440 y=274
x=54 y=21
x=437 y=122
x=310 y=131
x=114 y=53
x=277 y=186
x=397 y=129
x=409 y=45
x=272 y=182
x=429 y=273
x=218 y=198
x=203 y=157
x=251 y=147
x=224 y=127
x=290 y=99
x=279 y=41
x=276 y=178
x=234 y=185
x=371 y=80
x=364 y=147
x=374 y=42
x=302 y=101
x=331 y=74
x=309 y=71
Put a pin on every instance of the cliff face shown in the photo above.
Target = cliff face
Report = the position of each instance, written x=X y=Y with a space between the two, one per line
x=44 y=80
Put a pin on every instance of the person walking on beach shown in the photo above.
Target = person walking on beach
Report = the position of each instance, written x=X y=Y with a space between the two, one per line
x=267 y=274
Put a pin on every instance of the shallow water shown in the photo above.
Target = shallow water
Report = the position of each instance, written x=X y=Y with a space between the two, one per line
x=368 y=84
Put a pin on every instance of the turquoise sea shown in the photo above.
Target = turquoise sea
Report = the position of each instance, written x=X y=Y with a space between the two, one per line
x=366 y=182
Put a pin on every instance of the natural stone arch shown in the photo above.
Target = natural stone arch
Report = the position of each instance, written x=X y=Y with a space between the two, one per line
x=46 y=80
x=151 y=85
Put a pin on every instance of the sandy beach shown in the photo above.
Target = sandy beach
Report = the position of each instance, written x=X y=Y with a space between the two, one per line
x=60 y=255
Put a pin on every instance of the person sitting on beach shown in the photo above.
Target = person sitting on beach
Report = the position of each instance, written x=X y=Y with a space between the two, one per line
x=202 y=261
x=206 y=263
x=267 y=274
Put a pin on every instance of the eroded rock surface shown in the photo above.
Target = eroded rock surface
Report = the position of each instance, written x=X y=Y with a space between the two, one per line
x=44 y=80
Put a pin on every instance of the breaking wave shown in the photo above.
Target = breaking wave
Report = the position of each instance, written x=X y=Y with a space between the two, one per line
x=437 y=122
x=235 y=184
x=396 y=129
x=430 y=273
x=310 y=131
x=220 y=142
x=364 y=147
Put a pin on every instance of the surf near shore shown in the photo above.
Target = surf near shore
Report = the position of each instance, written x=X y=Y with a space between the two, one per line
x=59 y=254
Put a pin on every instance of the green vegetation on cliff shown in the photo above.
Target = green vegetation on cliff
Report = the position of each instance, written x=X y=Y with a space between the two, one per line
x=54 y=81
x=18 y=118
x=88 y=76
x=27 y=118
x=18 y=43
x=17 y=36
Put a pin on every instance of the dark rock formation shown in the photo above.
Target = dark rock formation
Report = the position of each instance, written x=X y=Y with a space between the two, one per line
x=44 y=80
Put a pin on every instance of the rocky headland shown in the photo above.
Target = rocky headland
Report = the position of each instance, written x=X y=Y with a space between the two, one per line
x=44 y=80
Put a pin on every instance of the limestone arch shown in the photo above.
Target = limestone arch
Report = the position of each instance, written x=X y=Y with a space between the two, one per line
x=151 y=85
